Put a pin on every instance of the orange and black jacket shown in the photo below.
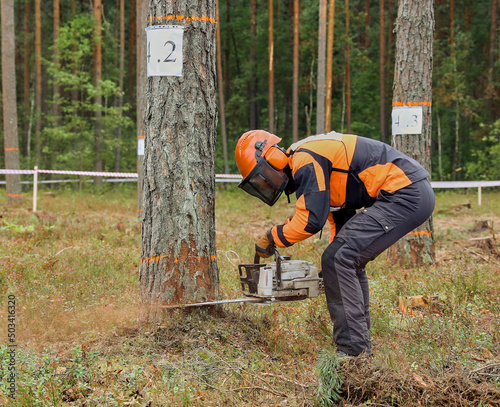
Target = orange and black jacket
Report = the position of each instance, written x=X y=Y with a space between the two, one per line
x=335 y=174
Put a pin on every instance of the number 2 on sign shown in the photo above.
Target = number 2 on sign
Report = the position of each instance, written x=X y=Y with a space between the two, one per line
x=167 y=59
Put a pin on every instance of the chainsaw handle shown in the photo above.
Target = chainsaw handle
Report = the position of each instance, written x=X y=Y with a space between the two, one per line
x=256 y=258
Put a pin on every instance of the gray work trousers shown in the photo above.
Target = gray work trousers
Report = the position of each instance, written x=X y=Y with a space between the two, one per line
x=361 y=239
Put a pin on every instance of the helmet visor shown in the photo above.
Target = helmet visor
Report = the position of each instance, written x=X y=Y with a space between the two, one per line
x=264 y=182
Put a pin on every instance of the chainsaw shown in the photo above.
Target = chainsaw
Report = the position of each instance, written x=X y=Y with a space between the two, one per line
x=278 y=281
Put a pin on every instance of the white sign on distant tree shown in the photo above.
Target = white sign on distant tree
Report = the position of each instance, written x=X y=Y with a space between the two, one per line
x=164 y=50
x=407 y=120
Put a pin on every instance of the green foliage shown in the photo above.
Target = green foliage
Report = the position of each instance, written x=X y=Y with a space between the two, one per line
x=69 y=138
x=329 y=389
x=486 y=156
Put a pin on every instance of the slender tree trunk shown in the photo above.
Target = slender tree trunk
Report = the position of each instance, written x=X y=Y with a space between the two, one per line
x=383 y=126
x=348 y=65
x=121 y=72
x=367 y=25
x=38 y=82
x=254 y=121
x=220 y=85
x=11 y=142
x=452 y=22
x=98 y=95
x=270 y=49
x=27 y=76
x=55 y=85
x=227 y=52
x=131 y=52
x=440 y=149
x=329 y=67
x=178 y=260
x=413 y=87
x=141 y=83
x=321 y=91
x=295 y=87
x=491 y=83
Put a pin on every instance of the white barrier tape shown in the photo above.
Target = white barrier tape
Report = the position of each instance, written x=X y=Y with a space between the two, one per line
x=17 y=172
x=237 y=177
x=464 y=184
x=102 y=174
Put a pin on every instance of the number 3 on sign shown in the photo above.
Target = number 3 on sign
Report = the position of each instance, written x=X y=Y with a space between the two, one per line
x=164 y=56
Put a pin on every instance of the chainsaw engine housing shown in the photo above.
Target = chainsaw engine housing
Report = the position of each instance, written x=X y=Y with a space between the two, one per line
x=281 y=280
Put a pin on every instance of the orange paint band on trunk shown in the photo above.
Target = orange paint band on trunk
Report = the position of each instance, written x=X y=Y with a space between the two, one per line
x=181 y=17
x=14 y=195
x=11 y=149
x=412 y=104
x=176 y=260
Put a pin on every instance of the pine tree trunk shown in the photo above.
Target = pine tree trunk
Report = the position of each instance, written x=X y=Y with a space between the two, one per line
x=254 y=119
x=220 y=85
x=383 y=126
x=141 y=83
x=178 y=260
x=413 y=87
x=321 y=91
x=11 y=142
x=329 y=67
x=121 y=71
x=27 y=76
x=270 y=48
x=38 y=82
x=131 y=52
x=98 y=95
x=55 y=85
x=348 y=65
x=295 y=86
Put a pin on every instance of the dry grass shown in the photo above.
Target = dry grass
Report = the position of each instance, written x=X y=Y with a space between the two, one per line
x=73 y=269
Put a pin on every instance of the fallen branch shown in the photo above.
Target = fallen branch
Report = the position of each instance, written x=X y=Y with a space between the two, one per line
x=482 y=257
x=305 y=386
x=276 y=393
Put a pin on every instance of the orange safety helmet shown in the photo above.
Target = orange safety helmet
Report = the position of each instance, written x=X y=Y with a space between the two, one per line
x=261 y=162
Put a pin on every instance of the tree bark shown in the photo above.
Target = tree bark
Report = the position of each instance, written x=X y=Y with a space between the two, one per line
x=220 y=85
x=178 y=260
x=413 y=87
x=141 y=83
x=295 y=86
x=98 y=95
x=11 y=142
x=321 y=91
x=383 y=126
x=270 y=48
x=329 y=67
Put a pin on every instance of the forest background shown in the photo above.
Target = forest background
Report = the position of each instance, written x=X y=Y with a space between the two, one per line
x=57 y=130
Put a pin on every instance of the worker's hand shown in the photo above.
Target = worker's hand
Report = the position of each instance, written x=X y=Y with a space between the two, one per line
x=264 y=247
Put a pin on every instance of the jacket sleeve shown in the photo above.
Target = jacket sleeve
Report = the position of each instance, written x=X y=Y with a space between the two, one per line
x=313 y=201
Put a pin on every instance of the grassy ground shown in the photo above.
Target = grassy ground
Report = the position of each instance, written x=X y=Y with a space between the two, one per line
x=73 y=270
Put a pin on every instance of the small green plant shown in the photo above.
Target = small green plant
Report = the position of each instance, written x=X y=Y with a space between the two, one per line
x=330 y=379
x=17 y=228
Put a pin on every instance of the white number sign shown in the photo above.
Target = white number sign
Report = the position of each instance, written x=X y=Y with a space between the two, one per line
x=164 y=50
x=140 y=146
x=407 y=120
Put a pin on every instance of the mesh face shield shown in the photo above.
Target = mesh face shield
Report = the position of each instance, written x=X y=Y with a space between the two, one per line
x=264 y=182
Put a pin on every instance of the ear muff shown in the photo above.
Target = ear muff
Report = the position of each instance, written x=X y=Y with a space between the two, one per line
x=277 y=158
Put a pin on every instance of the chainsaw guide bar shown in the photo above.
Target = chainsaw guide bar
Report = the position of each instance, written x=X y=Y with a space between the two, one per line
x=279 y=281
